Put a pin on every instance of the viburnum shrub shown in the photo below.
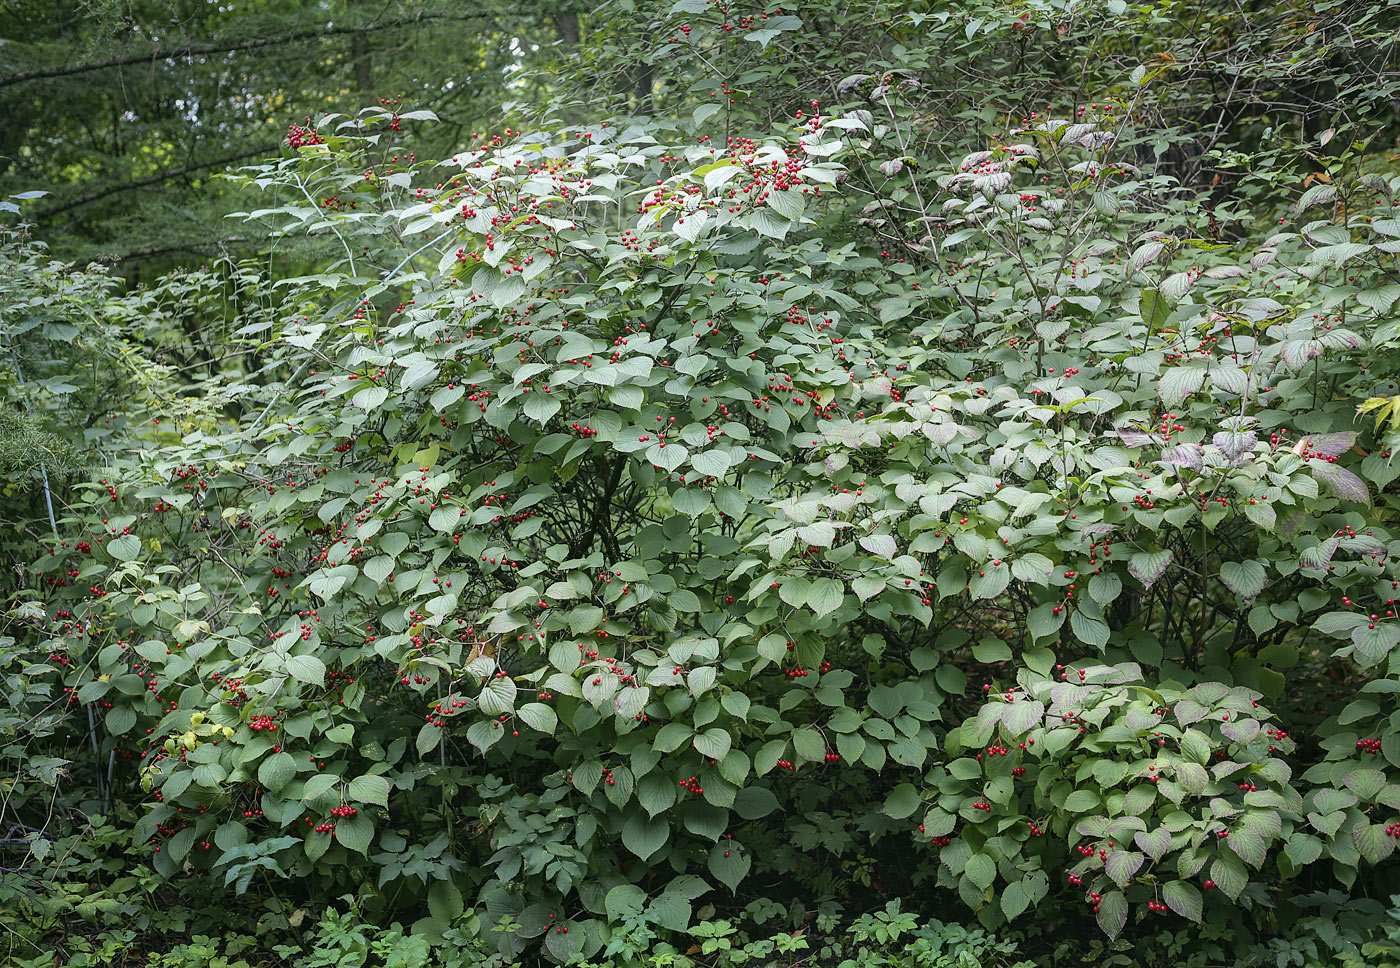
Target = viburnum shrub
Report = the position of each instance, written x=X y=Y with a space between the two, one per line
x=617 y=526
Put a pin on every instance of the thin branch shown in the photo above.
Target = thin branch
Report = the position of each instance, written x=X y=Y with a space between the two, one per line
x=151 y=251
x=155 y=179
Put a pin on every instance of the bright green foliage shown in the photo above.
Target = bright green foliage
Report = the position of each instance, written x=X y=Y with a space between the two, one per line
x=639 y=518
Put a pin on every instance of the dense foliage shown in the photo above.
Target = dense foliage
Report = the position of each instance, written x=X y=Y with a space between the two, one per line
x=850 y=474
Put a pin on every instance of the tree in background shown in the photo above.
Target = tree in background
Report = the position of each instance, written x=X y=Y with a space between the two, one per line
x=128 y=112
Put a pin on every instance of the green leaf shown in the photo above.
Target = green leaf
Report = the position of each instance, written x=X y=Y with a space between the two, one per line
x=1122 y=865
x=981 y=870
x=644 y=835
x=755 y=803
x=444 y=518
x=867 y=588
x=622 y=900
x=1021 y=716
x=787 y=203
x=1153 y=308
x=736 y=704
x=656 y=792
x=538 y=717
x=825 y=596
x=369 y=789
x=1148 y=566
x=276 y=771
x=540 y=407
x=586 y=775
x=712 y=463
x=319 y=785
x=429 y=736
x=1365 y=783
x=729 y=863
x=990 y=580
x=120 y=719
x=1154 y=843
x=1245 y=578
x=712 y=743
x=369 y=399
x=1302 y=849
x=1014 y=900
x=497 y=696
x=1082 y=801
x=808 y=744
x=1104 y=588
x=1089 y=629
x=307 y=668
x=378 y=569
x=1229 y=874
x=670 y=910
x=355 y=833
x=1043 y=621
x=902 y=801
x=990 y=650
x=445 y=902
x=671 y=736
x=561 y=945
x=125 y=547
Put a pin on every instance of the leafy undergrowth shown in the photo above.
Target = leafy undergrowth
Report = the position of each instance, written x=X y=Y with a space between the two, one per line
x=653 y=539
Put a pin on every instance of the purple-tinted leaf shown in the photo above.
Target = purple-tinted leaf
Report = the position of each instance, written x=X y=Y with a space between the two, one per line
x=1317 y=195
x=1183 y=455
x=1113 y=913
x=1184 y=899
x=1132 y=437
x=1144 y=254
x=1178 y=383
x=1148 y=566
x=1339 y=339
x=1234 y=445
x=1230 y=379
x=1341 y=482
x=1154 y=843
x=1318 y=557
x=1297 y=353
x=1240 y=730
x=1022 y=715
x=1121 y=865
x=1328 y=445
x=1292 y=522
